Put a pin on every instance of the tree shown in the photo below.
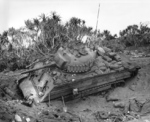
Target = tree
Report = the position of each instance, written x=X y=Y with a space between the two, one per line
x=43 y=17
x=74 y=21
x=56 y=17
x=36 y=24
x=107 y=35
x=29 y=24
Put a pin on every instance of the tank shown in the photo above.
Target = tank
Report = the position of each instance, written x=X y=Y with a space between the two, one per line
x=77 y=71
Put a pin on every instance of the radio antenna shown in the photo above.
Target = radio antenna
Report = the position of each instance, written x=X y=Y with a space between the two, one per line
x=97 y=17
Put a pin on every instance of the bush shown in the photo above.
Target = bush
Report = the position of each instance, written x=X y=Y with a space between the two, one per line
x=114 y=44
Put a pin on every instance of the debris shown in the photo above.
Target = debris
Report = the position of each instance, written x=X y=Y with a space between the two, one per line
x=28 y=119
x=146 y=120
x=134 y=106
x=107 y=49
x=64 y=105
x=18 y=118
x=145 y=108
x=101 y=50
x=9 y=92
x=132 y=87
x=119 y=104
x=103 y=114
x=134 y=114
x=87 y=110
x=112 y=97
x=38 y=65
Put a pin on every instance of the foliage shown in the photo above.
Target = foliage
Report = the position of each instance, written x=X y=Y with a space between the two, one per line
x=43 y=35
x=135 y=35
x=107 y=35
x=114 y=44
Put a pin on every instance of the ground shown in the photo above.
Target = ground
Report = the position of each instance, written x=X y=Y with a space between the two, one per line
x=127 y=103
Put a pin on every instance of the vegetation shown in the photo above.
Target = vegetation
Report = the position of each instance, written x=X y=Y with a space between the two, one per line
x=135 y=35
x=42 y=37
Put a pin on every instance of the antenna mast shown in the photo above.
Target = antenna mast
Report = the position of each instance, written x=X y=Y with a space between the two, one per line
x=97 y=17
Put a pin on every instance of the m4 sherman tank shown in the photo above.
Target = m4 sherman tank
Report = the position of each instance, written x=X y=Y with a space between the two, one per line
x=77 y=71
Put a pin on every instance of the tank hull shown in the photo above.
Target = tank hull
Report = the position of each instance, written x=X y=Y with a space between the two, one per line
x=91 y=85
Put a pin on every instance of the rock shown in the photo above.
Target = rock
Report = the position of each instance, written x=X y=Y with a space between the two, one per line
x=100 y=54
x=147 y=120
x=107 y=70
x=114 y=66
x=145 y=108
x=107 y=49
x=117 y=57
x=54 y=72
x=119 y=69
x=87 y=110
x=112 y=54
x=119 y=63
x=100 y=49
x=134 y=114
x=107 y=58
x=18 y=118
x=9 y=92
x=113 y=62
x=106 y=63
x=103 y=68
x=126 y=52
x=94 y=68
x=101 y=64
x=134 y=106
x=99 y=71
x=133 y=87
x=119 y=104
x=112 y=97
x=98 y=60
x=126 y=65
x=28 y=119
x=57 y=82
x=65 y=109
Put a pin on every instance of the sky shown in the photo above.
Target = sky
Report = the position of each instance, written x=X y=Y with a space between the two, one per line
x=114 y=15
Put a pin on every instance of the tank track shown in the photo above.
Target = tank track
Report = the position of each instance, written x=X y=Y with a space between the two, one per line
x=91 y=86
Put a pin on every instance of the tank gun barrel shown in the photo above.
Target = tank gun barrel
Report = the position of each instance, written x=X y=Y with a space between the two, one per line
x=52 y=64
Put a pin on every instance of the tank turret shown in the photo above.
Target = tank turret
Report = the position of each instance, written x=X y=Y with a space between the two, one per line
x=75 y=61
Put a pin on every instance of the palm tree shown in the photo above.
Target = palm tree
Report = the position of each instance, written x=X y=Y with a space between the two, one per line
x=11 y=33
x=43 y=17
x=29 y=24
x=74 y=21
x=107 y=35
x=4 y=34
x=4 y=39
x=115 y=36
x=83 y=22
x=55 y=17
x=36 y=24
